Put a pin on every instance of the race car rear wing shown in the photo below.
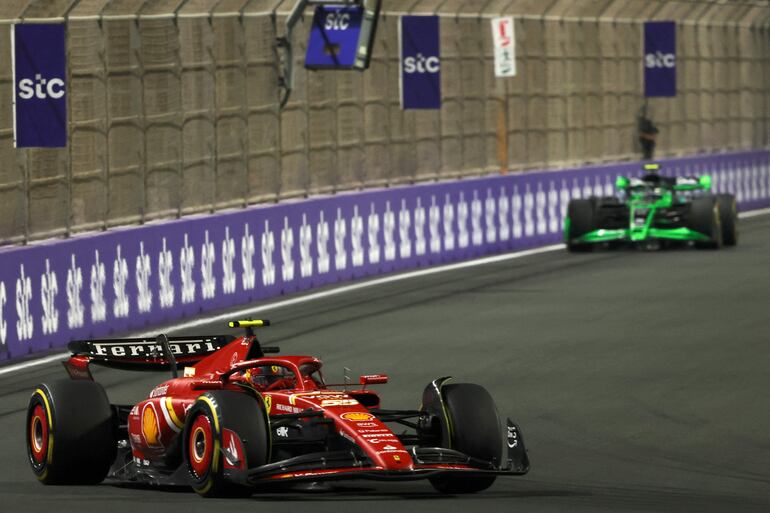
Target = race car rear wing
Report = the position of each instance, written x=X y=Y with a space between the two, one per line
x=141 y=354
x=685 y=183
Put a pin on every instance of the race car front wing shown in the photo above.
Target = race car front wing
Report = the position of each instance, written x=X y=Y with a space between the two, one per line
x=428 y=461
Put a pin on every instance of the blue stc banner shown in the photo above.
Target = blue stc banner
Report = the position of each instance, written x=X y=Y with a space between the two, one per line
x=334 y=37
x=420 y=62
x=659 y=59
x=40 y=100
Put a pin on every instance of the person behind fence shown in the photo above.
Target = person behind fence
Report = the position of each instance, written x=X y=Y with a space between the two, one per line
x=647 y=134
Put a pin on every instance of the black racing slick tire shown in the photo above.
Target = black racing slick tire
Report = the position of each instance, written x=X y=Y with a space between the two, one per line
x=70 y=433
x=473 y=429
x=225 y=434
x=581 y=214
x=706 y=219
x=728 y=216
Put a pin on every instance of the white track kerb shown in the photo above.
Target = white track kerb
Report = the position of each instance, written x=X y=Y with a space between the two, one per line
x=344 y=289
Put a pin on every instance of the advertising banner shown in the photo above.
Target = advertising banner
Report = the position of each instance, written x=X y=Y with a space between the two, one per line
x=39 y=80
x=420 y=43
x=659 y=59
x=133 y=278
x=334 y=37
x=504 y=39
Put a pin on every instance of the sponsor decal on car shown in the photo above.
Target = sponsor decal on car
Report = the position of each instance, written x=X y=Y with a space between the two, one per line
x=268 y=403
x=282 y=431
x=313 y=396
x=379 y=440
x=357 y=416
x=513 y=437
x=150 y=426
x=339 y=402
x=367 y=424
x=286 y=408
x=306 y=474
x=321 y=395
x=122 y=349
x=159 y=391
x=231 y=451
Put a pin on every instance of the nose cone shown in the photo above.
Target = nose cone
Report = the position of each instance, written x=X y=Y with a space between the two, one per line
x=381 y=445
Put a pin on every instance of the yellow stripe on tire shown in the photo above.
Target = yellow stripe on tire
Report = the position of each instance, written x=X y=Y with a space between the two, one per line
x=217 y=432
x=49 y=456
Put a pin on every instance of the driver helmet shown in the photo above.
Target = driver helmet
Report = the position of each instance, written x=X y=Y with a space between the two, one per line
x=652 y=167
x=265 y=375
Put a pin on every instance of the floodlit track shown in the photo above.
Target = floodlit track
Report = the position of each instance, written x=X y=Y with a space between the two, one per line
x=639 y=379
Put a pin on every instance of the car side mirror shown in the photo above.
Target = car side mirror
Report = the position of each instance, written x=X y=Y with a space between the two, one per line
x=705 y=181
x=621 y=182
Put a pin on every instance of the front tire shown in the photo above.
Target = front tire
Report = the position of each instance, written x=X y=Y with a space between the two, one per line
x=70 y=433
x=224 y=422
x=581 y=214
x=706 y=219
x=474 y=429
x=728 y=216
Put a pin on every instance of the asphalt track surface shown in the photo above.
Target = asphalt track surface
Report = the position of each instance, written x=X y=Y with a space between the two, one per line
x=640 y=379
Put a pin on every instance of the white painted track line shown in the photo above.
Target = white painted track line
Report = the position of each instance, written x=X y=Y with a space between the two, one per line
x=754 y=213
x=344 y=289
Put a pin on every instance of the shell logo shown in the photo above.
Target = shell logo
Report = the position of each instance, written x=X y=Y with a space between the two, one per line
x=150 y=426
x=357 y=416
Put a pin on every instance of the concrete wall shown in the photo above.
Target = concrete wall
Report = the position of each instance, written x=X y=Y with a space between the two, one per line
x=174 y=103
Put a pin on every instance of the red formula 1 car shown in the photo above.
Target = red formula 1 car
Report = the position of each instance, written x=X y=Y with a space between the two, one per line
x=238 y=419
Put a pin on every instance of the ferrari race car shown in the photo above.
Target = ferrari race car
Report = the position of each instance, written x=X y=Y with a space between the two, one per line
x=239 y=419
x=652 y=210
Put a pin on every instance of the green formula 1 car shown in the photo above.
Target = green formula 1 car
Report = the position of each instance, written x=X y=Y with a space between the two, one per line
x=653 y=211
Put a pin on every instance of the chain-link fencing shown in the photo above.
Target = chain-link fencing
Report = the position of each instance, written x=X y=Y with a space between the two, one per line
x=174 y=104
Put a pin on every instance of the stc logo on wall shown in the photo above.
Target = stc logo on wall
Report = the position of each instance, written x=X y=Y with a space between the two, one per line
x=337 y=20
x=335 y=37
x=40 y=88
x=420 y=62
x=39 y=69
x=660 y=59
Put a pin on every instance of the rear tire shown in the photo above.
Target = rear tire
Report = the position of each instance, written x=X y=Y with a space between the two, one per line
x=728 y=216
x=705 y=218
x=582 y=219
x=70 y=433
x=475 y=431
x=207 y=435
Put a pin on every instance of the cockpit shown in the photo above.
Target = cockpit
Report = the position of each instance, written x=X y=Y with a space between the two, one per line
x=273 y=375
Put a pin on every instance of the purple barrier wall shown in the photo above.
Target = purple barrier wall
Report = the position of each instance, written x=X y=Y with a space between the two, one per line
x=132 y=278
